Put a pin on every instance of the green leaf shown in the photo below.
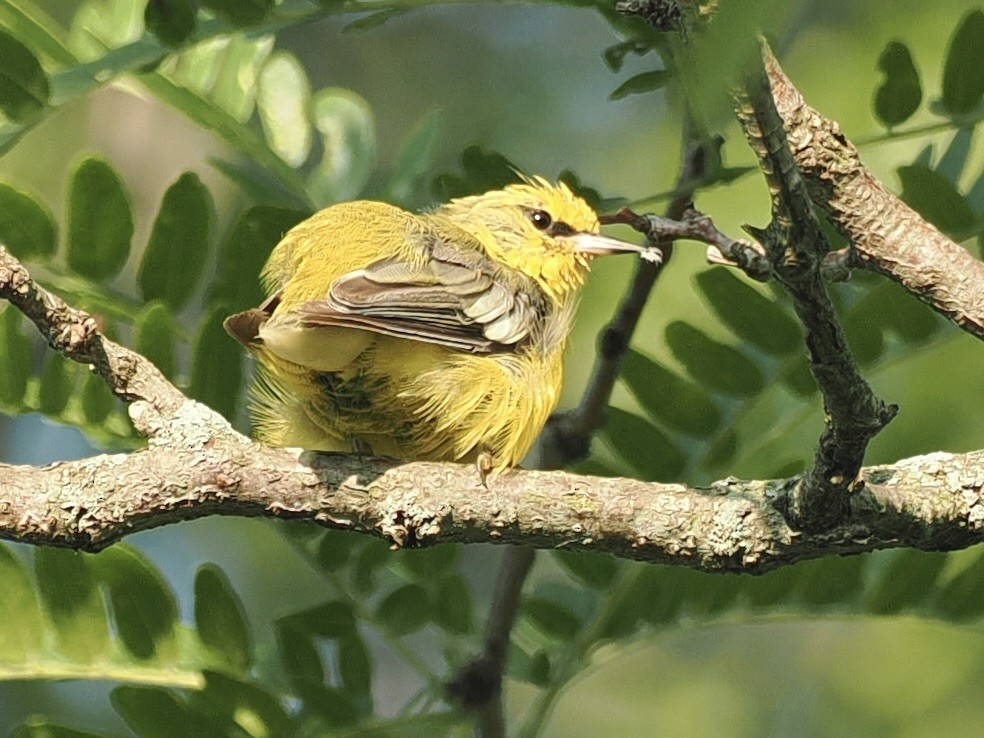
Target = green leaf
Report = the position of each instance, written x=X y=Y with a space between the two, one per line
x=57 y=383
x=405 y=184
x=404 y=610
x=216 y=364
x=835 y=580
x=174 y=259
x=299 y=657
x=96 y=401
x=100 y=224
x=614 y=55
x=452 y=606
x=348 y=133
x=233 y=84
x=282 y=101
x=550 y=618
x=210 y=116
x=144 y=607
x=71 y=599
x=428 y=562
x=240 y=12
x=154 y=333
x=721 y=450
x=240 y=708
x=643 y=446
x=15 y=357
x=645 y=82
x=900 y=92
x=594 y=569
x=245 y=251
x=373 y=555
x=331 y=619
x=26 y=226
x=680 y=404
x=373 y=20
x=906 y=581
x=37 y=727
x=748 y=313
x=483 y=171
x=533 y=668
x=335 y=548
x=798 y=378
x=21 y=634
x=355 y=665
x=24 y=87
x=713 y=364
x=151 y=712
x=172 y=21
x=935 y=198
x=963 y=72
x=220 y=619
x=961 y=597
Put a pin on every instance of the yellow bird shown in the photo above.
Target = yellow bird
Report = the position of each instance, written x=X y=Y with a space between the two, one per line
x=435 y=336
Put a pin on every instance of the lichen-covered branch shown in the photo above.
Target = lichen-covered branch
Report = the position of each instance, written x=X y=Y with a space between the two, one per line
x=932 y=502
x=796 y=248
x=886 y=235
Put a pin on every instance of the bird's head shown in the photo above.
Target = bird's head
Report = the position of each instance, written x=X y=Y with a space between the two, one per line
x=539 y=228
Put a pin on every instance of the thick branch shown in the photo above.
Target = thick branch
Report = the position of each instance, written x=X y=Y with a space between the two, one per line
x=932 y=502
x=886 y=234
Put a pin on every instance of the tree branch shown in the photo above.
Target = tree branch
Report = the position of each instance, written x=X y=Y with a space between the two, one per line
x=886 y=235
x=796 y=248
x=933 y=502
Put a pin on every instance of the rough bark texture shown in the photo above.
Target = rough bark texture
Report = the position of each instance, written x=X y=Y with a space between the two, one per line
x=932 y=502
x=886 y=234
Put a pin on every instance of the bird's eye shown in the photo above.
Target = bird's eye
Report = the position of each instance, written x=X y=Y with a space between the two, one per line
x=541 y=219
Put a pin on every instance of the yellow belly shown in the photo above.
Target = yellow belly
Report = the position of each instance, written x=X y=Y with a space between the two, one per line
x=411 y=400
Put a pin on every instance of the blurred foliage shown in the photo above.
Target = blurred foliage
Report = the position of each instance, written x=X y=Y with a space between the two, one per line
x=719 y=385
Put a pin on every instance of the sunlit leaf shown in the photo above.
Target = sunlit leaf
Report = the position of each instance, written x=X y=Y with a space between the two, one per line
x=241 y=707
x=348 y=132
x=282 y=101
x=21 y=634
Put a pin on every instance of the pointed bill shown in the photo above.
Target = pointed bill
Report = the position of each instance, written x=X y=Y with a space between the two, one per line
x=598 y=245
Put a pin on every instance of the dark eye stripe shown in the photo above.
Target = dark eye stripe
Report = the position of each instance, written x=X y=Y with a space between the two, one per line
x=560 y=228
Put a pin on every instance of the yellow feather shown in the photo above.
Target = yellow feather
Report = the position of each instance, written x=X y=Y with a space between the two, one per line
x=347 y=386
